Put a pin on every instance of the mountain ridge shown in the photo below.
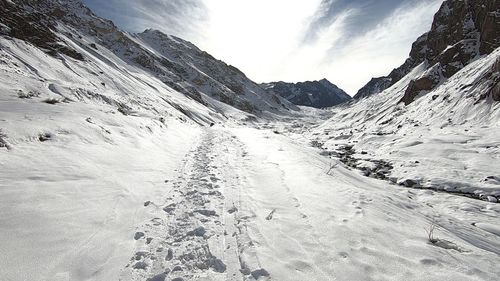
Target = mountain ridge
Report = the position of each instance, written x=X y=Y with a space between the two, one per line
x=70 y=25
x=461 y=32
x=318 y=93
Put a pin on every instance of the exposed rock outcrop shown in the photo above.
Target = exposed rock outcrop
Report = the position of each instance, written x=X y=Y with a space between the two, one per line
x=318 y=94
x=461 y=31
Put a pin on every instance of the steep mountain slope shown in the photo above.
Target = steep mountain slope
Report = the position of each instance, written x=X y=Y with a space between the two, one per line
x=62 y=27
x=93 y=123
x=318 y=94
x=438 y=126
x=461 y=32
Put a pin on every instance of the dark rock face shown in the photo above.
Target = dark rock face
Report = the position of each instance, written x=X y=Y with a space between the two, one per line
x=423 y=84
x=461 y=31
x=318 y=94
x=25 y=23
x=375 y=86
x=495 y=89
x=492 y=80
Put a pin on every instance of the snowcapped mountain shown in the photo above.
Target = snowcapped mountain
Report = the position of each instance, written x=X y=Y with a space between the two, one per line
x=461 y=32
x=68 y=28
x=318 y=94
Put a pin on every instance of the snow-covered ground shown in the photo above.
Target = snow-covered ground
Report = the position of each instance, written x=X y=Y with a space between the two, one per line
x=226 y=203
x=91 y=193
x=448 y=139
x=108 y=173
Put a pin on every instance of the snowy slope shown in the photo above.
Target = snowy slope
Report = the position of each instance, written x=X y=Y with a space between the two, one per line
x=111 y=170
x=88 y=133
x=436 y=125
x=74 y=30
x=447 y=139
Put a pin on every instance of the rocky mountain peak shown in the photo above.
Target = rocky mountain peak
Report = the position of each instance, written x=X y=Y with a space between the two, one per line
x=320 y=94
x=462 y=30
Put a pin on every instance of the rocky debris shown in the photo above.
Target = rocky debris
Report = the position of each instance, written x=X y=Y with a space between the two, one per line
x=140 y=265
x=318 y=94
x=159 y=277
x=217 y=265
x=43 y=137
x=382 y=170
x=259 y=273
x=199 y=231
x=31 y=94
x=138 y=235
x=409 y=183
x=232 y=210
x=140 y=255
x=3 y=141
x=207 y=213
x=177 y=268
x=170 y=254
x=170 y=208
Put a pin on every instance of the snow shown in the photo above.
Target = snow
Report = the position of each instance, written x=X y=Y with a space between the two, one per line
x=446 y=140
x=73 y=206
x=68 y=202
x=345 y=226
x=110 y=174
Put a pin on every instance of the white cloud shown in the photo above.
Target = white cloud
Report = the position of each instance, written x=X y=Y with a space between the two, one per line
x=265 y=41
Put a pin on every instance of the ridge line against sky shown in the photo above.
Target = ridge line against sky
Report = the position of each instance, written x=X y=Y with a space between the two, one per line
x=346 y=41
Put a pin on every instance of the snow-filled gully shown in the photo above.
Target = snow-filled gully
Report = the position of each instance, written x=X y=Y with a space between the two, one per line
x=248 y=204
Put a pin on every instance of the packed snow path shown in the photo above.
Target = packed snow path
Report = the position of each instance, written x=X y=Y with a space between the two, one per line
x=252 y=205
x=198 y=231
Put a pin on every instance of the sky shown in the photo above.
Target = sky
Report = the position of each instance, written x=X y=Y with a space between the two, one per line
x=346 y=41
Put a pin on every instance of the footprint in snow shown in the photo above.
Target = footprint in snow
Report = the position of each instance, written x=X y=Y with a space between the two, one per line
x=270 y=216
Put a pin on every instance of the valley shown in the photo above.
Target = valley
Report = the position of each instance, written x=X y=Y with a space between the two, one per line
x=140 y=157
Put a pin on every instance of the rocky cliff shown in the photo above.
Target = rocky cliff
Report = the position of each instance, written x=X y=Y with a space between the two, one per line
x=318 y=94
x=462 y=31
